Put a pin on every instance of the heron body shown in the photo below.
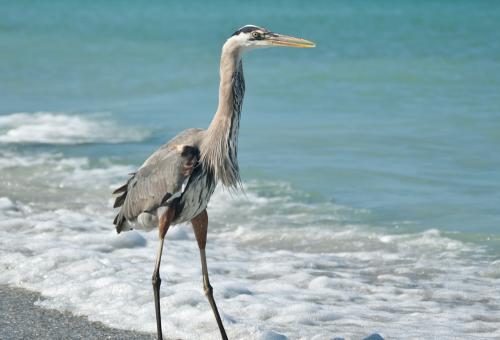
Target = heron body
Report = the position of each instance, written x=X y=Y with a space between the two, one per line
x=175 y=183
x=187 y=188
x=160 y=180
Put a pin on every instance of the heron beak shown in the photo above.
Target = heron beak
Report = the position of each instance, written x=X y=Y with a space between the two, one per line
x=275 y=39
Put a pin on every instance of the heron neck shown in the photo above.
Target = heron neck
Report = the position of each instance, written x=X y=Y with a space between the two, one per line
x=220 y=147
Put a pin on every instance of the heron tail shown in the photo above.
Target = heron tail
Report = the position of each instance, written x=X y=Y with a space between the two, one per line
x=119 y=221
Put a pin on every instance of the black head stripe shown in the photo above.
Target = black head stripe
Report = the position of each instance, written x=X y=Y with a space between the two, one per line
x=246 y=29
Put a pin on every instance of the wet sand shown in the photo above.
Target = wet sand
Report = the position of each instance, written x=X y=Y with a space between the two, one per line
x=21 y=319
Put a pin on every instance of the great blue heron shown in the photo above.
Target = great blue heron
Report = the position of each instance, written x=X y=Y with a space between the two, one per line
x=176 y=182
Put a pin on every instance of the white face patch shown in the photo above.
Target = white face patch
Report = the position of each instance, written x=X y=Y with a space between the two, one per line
x=244 y=37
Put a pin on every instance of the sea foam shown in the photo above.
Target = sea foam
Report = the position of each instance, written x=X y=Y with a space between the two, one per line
x=281 y=267
x=79 y=264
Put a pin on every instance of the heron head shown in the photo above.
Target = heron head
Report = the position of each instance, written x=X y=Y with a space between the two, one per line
x=251 y=36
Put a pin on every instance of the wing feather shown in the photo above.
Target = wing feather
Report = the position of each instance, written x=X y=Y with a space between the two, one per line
x=160 y=178
x=151 y=183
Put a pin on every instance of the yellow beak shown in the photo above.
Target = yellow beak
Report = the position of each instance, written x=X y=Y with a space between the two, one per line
x=275 y=39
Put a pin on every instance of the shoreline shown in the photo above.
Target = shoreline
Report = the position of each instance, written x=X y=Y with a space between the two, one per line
x=22 y=319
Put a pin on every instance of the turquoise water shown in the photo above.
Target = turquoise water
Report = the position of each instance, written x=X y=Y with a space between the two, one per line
x=397 y=110
x=378 y=149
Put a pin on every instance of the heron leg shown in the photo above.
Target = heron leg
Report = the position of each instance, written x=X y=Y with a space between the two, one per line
x=200 y=227
x=164 y=224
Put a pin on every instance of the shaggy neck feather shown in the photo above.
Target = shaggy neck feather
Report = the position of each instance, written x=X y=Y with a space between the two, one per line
x=219 y=150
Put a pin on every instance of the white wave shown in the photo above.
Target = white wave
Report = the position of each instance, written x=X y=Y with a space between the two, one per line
x=52 y=180
x=390 y=284
x=279 y=265
x=63 y=128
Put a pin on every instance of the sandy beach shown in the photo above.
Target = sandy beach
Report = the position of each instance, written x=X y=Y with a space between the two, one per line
x=21 y=319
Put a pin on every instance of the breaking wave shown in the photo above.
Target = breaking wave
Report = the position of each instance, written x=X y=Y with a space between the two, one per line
x=62 y=128
x=281 y=265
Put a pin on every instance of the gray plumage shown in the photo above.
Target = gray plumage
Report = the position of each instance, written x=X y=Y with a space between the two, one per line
x=158 y=182
x=175 y=183
x=184 y=172
x=163 y=181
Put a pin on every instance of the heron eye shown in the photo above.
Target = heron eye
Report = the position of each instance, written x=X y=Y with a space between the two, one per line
x=255 y=34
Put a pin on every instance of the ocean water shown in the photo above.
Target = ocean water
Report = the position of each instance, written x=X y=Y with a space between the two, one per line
x=370 y=165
